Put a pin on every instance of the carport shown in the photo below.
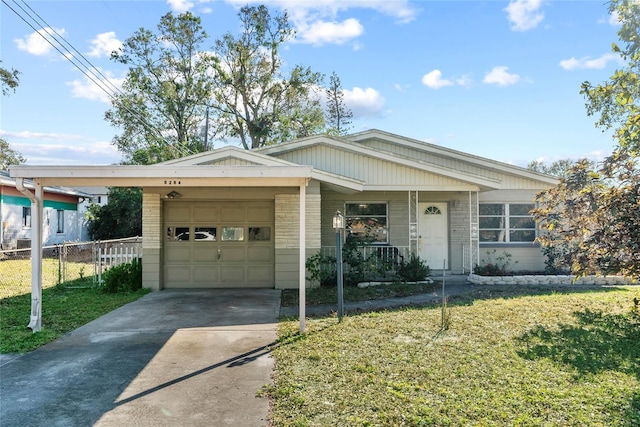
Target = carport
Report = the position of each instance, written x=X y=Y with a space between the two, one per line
x=165 y=180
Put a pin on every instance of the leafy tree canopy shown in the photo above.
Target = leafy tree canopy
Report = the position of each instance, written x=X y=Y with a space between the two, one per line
x=255 y=100
x=559 y=168
x=120 y=217
x=166 y=91
x=592 y=218
x=9 y=80
x=9 y=156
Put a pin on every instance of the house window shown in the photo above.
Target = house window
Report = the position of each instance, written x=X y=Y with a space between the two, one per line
x=26 y=216
x=367 y=222
x=506 y=223
x=60 y=215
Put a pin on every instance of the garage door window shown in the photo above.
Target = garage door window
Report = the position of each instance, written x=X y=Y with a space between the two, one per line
x=177 y=233
x=232 y=234
x=204 y=234
x=259 y=234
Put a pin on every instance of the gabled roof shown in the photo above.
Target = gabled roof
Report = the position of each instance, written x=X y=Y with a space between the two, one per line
x=253 y=157
x=371 y=134
x=420 y=156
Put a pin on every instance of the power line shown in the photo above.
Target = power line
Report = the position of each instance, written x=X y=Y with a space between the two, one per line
x=89 y=70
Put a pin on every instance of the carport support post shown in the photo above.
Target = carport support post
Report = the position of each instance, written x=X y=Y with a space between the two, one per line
x=35 y=322
x=303 y=244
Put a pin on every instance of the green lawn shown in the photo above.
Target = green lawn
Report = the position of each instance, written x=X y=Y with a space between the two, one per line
x=508 y=359
x=63 y=310
x=330 y=295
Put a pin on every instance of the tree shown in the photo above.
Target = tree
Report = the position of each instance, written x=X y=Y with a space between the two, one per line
x=9 y=80
x=338 y=114
x=120 y=217
x=592 y=218
x=9 y=156
x=558 y=168
x=166 y=91
x=254 y=99
x=616 y=99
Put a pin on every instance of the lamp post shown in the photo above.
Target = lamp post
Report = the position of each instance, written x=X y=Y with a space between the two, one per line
x=338 y=225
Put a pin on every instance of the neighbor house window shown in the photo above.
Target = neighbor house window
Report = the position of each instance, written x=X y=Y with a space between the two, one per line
x=506 y=222
x=367 y=222
x=26 y=216
x=60 y=215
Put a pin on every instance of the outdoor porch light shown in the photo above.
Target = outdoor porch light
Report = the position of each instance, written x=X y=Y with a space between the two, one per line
x=338 y=225
x=173 y=195
x=338 y=221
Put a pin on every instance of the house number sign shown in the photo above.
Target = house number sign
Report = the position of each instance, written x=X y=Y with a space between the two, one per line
x=172 y=182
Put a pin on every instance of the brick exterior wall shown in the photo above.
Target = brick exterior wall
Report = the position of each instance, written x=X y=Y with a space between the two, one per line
x=152 y=241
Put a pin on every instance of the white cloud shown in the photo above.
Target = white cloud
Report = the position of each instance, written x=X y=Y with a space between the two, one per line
x=501 y=77
x=524 y=14
x=86 y=88
x=180 y=6
x=316 y=21
x=104 y=44
x=321 y=32
x=36 y=43
x=434 y=80
x=364 y=102
x=39 y=135
x=589 y=63
x=88 y=153
x=614 y=19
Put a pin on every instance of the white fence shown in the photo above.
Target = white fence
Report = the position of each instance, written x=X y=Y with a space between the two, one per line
x=110 y=253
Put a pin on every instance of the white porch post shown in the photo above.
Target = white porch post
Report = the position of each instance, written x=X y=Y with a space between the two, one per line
x=303 y=244
x=35 y=322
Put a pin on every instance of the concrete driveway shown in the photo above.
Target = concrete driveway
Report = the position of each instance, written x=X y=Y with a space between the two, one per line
x=187 y=358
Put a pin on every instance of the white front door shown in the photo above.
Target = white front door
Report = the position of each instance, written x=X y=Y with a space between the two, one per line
x=433 y=245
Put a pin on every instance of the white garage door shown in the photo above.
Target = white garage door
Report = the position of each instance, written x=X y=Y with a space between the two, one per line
x=219 y=244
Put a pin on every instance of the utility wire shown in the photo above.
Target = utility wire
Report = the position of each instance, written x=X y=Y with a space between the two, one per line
x=90 y=71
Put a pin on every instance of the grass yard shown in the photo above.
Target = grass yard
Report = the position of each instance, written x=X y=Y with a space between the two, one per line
x=509 y=358
x=63 y=310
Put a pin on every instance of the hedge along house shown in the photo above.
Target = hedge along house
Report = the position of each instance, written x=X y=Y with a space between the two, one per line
x=62 y=219
x=236 y=218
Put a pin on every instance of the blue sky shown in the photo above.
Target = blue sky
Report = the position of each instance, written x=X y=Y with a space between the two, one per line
x=496 y=79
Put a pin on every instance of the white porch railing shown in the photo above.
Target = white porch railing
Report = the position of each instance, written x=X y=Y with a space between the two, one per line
x=110 y=253
x=397 y=254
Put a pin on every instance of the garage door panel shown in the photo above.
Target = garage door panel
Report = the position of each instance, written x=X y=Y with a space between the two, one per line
x=176 y=213
x=179 y=253
x=206 y=214
x=205 y=274
x=204 y=253
x=259 y=254
x=232 y=254
x=231 y=274
x=260 y=274
x=178 y=274
x=241 y=253
x=259 y=214
x=233 y=215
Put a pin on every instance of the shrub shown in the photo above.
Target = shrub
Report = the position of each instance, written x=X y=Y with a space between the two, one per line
x=125 y=277
x=497 y=267
x=322 y=269
x=414 y=270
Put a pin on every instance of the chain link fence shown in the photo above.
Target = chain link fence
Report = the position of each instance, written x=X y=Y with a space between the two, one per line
x=70 y=265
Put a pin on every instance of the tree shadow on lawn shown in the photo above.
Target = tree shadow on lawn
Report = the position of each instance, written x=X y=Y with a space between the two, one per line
x=599 y=342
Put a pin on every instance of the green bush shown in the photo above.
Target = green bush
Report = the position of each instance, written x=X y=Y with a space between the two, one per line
x=414 y=270
x=322 y=269
x=125 y=277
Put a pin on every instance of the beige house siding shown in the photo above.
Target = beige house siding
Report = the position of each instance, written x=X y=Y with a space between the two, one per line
x=287 y=234
x=508 y=180
x=375 y=172
x=230 y=161
x=152 y=241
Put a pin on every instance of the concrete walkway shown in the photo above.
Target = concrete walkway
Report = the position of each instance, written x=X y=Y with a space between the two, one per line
x=171 y=358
